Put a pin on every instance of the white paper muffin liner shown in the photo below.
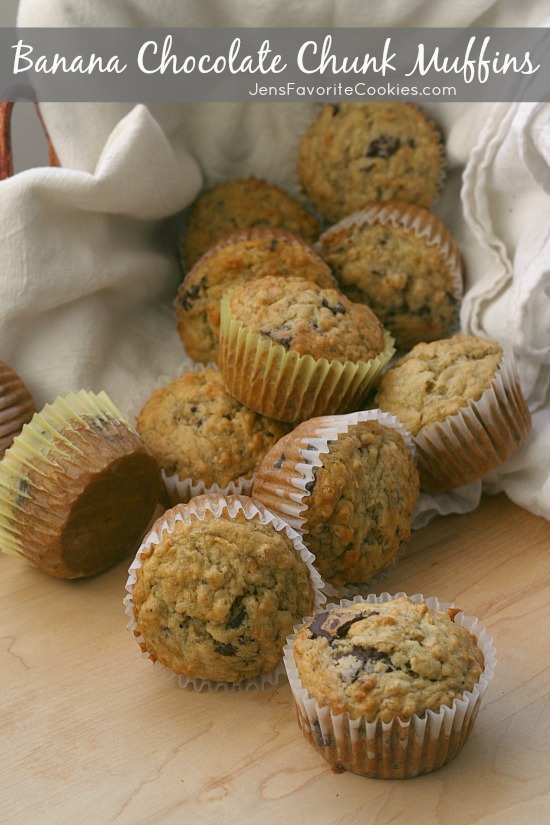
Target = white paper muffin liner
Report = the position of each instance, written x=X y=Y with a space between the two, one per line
x=478 y=437
x=196 y=509
x=289 y=501
x=424 y=224
x=400 y=748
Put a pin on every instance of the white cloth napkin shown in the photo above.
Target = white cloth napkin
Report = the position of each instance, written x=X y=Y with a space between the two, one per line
x=89 y=251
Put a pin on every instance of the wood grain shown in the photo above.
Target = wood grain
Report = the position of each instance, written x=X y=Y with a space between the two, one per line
x=92 y=733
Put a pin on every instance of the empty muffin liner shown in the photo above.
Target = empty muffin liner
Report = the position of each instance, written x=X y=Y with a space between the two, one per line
x=476 y=439
x=186 y=513
x=287 y=386
x=287 y=496
x=401 y=748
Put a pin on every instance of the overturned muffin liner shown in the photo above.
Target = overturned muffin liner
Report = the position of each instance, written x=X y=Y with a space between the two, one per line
x=181 y=490
x=478 y=438
x=196 y=510
x=16 y=406
x=401 y=748
x=287 y=496
x=285 y=385
x=418 y=220
x=43 y=465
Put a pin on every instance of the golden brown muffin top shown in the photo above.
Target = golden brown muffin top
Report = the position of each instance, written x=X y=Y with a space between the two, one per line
x=386 y=660
x=305 y=318
x=197 y=430
x=238 y=204
x=435 y=380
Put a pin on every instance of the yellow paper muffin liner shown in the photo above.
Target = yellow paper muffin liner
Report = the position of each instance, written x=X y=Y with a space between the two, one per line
x=285 y=385
x=44 y=465
x=186 y=513
x=287 y=495
x=478 y=438
x=401 y=748
x=424 y=224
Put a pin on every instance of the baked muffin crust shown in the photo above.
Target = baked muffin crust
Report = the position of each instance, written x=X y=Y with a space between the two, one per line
x=386 y=660
x=435 y=380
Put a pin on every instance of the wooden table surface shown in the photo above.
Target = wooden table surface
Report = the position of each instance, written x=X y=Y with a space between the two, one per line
x=92 y=734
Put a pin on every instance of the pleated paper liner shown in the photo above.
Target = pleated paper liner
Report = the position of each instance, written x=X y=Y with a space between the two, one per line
x=478 y=438
x=195 y=510
x=285 y=385
x=77 y=487
x=426 y=227
x=286 y=493
x=401 y=748
x=16 y=406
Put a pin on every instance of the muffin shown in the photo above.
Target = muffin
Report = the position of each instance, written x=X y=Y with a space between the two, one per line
x=356 y=153
x=246 y=256
x=389 y=687
x=240 y=204
x=461 y=399
x=16 y=406
x=78 y=488
x=350 y=485
x=292 y=349
x=202 y=437
x=402 y=262
x=216 y=587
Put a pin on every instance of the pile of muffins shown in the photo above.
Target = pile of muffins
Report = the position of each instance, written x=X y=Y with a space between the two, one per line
x=289 y=460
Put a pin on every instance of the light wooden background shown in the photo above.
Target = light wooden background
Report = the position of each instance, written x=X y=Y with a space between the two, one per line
x=92 y=734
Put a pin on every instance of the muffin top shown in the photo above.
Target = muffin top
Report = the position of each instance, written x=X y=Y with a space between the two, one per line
x=308 y=319
x=435 y=380
x=381 y=259
x=246 y=256
x=360 y=501
x=216 y=598
x=356 y=153
x=197 y=430
x=386 y=660
x=242 y=203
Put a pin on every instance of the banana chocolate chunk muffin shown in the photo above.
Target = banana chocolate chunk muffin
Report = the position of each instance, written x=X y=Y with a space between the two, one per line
x=356 y=153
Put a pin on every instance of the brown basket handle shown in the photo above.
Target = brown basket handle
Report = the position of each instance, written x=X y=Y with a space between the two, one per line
x=6 y=153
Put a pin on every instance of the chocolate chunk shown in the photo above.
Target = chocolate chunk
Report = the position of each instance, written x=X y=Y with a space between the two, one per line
x=383 y=147
x=335 y=629
x=225 y=649
x=335 y=109
x=237 y=614
x=188 y=298
x=339 y=309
